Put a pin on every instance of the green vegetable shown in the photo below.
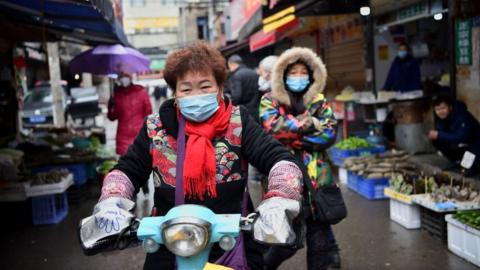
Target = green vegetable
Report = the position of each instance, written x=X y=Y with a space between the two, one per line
x=471 y=218
x=94 y=143
x=352 y=143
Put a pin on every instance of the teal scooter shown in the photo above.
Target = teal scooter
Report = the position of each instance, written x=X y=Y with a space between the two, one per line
x=188 y=231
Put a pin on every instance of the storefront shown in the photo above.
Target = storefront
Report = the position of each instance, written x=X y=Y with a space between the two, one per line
x=424 y=27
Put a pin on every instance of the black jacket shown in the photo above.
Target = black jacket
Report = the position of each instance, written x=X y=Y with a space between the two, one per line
x=243 y=90
x=257 y=147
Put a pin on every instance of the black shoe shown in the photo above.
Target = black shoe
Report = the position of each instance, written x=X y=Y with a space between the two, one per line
x=335 y=261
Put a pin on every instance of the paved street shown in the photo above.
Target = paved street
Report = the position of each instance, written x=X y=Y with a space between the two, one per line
x=368 y=239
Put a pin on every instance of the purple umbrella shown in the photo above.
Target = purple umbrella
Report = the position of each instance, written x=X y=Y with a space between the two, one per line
x=109 y=59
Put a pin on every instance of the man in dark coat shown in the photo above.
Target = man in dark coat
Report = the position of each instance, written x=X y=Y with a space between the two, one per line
x=242 y=86
x=456 y=131
x=404 y=73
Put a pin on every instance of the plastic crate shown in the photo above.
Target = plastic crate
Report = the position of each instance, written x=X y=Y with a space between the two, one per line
x=407 y=215
x=372 y=189
x=49 y=209
x=463 y=240
x=352 y=181
x=79 y=171
x=378 y=149
x=338 y=155
x=47 y=189
x=434 y=223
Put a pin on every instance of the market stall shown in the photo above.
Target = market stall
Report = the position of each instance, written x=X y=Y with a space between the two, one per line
x=49 y=170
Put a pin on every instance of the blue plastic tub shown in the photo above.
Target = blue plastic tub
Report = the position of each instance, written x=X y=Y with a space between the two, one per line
x=372 y=189
x=49 y=209
x=378 y=149
x=79 y=171
x=338 y=155
x=352 y=181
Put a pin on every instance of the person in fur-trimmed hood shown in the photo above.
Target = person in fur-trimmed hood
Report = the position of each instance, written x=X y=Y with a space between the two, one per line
x=297 y=114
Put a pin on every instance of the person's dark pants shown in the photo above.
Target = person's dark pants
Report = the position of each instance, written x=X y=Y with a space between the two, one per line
x=454 y=153
x=320 y=241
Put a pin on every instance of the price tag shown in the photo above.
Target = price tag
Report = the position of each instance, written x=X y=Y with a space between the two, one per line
x=467 y=160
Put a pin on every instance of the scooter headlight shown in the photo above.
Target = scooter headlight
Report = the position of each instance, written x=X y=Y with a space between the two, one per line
x=186 y=236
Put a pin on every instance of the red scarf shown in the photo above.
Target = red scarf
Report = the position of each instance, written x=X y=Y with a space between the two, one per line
x=199 y=172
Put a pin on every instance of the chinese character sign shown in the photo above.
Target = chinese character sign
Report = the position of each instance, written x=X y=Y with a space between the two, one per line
x=463 y=42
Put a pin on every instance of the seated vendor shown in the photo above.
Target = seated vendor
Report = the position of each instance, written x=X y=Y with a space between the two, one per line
x=456 y=131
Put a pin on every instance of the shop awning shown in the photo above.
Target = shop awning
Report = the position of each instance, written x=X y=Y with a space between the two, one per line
x=92 y=22
x=234 y=47
x=262 y=39
x=286 y=11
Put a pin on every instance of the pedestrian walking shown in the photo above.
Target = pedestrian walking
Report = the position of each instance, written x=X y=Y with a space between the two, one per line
x=129 y=105
x=242 y=85
x=297 y=114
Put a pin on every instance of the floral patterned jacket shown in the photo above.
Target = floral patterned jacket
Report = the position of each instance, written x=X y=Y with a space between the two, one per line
x=155 y=150
x=309 y=134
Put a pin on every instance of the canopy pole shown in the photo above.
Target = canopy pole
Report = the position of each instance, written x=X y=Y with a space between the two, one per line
x=55 y=84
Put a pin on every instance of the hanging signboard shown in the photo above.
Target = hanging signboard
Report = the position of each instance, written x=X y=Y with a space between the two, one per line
x=463 y=42
x=412 y=11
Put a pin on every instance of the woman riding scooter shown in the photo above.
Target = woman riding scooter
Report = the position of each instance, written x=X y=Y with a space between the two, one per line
x=221 y=139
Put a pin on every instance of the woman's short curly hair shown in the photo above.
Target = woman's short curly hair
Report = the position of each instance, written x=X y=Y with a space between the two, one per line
x=196 y=57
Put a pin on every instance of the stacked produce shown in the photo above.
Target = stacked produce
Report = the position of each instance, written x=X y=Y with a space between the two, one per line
x=381 y=165
x=410 y=184
x=441 y=187
x=471 y=218
x=352 y=143
x=456 y=190
x=50 y=177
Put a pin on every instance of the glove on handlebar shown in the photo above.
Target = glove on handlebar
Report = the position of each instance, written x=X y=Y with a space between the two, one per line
x=110 y=217
x=274 y=223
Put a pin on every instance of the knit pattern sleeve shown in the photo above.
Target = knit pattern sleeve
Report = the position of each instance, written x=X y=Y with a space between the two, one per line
x=117 y=184
x=285 y=180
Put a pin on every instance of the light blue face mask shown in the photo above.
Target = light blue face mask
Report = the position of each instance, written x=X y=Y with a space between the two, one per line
x=297 y=84
x=198 y=108
x=402 y=54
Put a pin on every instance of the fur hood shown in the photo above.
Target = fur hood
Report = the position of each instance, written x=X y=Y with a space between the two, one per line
x=306 y=55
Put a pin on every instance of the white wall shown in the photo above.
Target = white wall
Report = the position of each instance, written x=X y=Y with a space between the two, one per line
x=382 y=66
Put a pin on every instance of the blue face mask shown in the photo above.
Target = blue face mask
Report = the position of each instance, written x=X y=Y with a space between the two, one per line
x=402 y=54
x=297 y=84
x=198 y=108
